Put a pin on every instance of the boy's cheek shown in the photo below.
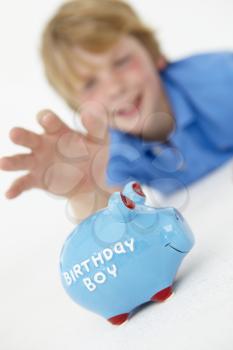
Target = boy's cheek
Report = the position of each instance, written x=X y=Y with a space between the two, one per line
x=144 y=78
x=134 y=70
x=135 y=65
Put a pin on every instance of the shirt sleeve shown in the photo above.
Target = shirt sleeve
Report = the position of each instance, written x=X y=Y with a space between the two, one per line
x=123 y=157
x=117 y=172
x=213 y=89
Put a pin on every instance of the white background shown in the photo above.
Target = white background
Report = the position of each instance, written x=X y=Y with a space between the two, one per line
x=35 y=312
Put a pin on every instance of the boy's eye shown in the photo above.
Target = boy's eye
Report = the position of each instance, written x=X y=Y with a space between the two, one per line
x=122 y=61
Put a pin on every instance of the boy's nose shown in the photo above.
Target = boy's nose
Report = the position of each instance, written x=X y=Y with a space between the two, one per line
x=114 y=87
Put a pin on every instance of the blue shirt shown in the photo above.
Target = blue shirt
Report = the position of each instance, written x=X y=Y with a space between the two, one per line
x=200 y=92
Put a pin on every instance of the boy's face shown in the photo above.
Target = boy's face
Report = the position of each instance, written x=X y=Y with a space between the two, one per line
x=126 y=84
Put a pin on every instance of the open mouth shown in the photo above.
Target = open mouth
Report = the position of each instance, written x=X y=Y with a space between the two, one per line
x=132 y=108
x=179 y=251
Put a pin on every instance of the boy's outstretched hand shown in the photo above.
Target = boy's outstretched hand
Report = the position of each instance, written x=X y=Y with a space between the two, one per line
x=62 y=161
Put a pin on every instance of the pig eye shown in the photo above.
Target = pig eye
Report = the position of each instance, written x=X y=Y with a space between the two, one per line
x=127 y=202
x=137 y=188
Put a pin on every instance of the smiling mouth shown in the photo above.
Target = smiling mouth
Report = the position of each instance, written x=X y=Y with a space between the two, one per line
x=179 y=251
x=132 y=109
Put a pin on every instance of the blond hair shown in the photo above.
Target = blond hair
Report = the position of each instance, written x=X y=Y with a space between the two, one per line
x=94 y=25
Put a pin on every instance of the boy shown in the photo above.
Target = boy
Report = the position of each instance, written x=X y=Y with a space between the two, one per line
x=163 y=124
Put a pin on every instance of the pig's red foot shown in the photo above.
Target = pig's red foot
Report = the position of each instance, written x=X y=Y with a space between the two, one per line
x=162 y=294
x=119 y=319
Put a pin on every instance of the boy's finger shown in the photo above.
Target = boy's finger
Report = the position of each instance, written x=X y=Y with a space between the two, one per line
x=17 y=162
x=24 y=137
x=96 y=128
x=20 y=185
x=95 y=120
x=50 y=122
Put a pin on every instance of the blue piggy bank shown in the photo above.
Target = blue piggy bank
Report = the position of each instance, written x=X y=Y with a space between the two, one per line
x=124 y=255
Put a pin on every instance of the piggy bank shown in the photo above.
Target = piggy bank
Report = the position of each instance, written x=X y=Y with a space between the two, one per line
x=124 y=255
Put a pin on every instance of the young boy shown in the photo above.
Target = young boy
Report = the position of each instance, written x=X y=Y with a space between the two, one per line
x=163 y=124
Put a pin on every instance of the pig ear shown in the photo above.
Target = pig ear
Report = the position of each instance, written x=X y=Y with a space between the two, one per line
x=134 y=191
x=127 y=201
x=138 y=189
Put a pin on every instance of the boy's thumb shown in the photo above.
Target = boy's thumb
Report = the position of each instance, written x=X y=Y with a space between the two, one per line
x=95 y=123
